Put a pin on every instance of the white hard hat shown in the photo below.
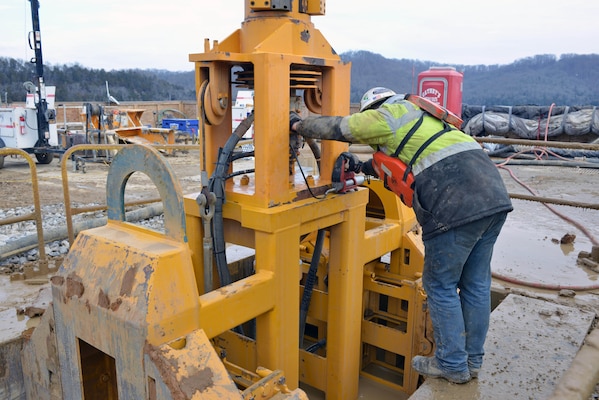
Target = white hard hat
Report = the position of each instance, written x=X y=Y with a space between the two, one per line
x=375 y=97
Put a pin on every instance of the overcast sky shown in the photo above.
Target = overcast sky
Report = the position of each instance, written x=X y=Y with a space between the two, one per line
x=121 y=34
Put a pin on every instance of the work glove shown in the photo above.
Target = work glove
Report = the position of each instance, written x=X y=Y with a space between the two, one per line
x=368 y=168
x=293 y=118
x=353 y=162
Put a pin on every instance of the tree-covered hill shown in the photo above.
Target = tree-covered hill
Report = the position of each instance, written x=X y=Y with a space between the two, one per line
x=78 y=83
x=540 y=80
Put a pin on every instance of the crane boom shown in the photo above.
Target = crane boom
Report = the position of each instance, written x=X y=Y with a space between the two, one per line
x=41 y=104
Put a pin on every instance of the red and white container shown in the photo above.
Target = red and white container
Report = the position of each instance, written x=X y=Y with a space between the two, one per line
x=443 y=86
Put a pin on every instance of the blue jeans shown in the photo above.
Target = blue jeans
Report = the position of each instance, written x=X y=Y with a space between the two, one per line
x=461 y=259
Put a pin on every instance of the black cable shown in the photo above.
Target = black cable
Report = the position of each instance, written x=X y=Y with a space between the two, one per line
x=237 y=173
x=309 y=284
x=304 y=176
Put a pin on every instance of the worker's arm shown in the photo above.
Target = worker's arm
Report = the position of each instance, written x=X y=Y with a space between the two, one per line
x=327 y=128
x=368 y=127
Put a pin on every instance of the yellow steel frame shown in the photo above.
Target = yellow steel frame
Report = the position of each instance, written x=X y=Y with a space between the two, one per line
x=271 y=212
x=268 y=214
x=272 y=44
x=394 y=325
x=127 y=309
x=125 y=293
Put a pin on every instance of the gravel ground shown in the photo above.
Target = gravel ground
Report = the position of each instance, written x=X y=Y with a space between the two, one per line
x=86 y=189
x=53 y=217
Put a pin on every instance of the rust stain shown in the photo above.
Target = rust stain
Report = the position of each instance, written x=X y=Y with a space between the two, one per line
x=74 y=286
x=197 y=380
x=166 y=371
x=128 y=281
x=26 y=334
x=57 y=280
x=103 y=300
x=116 y=304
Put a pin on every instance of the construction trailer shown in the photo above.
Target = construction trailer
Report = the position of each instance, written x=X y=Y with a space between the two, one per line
x=330 y=294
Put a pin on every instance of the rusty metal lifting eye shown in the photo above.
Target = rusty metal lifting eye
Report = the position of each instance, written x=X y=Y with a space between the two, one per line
x=207 y=205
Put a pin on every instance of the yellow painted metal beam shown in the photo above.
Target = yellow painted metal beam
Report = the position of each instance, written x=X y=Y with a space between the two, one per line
x=277 y=330
x=345 y=306
x=234 y=304
x=382 y=239
x=311 y=370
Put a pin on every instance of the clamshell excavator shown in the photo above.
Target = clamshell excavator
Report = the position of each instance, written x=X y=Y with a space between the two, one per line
x=331 y=295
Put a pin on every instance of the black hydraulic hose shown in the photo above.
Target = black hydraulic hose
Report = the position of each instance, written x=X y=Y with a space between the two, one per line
x=309 y=284
x=316 y=346
x=217 y=186
x=315 y=150
x=237 y=156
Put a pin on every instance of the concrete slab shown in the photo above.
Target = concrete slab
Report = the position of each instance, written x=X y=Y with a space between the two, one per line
x=530 y=344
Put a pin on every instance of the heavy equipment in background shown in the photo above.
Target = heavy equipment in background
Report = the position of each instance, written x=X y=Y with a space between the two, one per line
x=32 y=128
x=329 y=296
x=116 y=125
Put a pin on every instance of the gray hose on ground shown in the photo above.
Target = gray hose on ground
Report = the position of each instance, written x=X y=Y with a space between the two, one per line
x=29 y=242
x=580 y=379
x=551 y=163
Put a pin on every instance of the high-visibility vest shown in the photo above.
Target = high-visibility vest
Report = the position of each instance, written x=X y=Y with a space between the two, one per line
x=396 y=175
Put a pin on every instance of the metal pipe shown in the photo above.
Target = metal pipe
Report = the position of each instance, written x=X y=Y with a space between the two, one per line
x=540 y=143
x=29 y=242
x=549 y=200
x=548 y=163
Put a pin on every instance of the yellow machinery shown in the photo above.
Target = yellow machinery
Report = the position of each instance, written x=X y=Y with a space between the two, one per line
x=104 y=126
x=334 y=292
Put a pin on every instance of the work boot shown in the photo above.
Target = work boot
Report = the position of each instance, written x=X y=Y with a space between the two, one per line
x=473 y=370
x=429 y=366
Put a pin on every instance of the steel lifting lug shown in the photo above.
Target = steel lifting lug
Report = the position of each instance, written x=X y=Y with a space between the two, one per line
x=207 y=205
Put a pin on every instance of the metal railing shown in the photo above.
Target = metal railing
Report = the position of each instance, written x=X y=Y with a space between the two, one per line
x=36 y=215
x=70 y=211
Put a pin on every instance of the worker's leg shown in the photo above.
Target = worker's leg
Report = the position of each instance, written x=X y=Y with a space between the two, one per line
x=475 y=290
x=443 y=264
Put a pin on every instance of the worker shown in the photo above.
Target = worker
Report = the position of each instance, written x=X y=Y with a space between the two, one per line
x=461 y=204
